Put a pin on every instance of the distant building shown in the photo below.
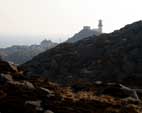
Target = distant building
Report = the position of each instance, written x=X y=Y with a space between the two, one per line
x=87 y=32
x=45 y=43
x=87 y=27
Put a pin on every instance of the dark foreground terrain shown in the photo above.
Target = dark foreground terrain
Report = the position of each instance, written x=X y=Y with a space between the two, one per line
x=38 y=95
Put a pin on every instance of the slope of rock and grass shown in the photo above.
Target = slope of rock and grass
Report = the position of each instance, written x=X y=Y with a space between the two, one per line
x=109 y=57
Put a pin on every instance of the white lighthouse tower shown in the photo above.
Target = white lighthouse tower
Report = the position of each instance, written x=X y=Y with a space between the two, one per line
x=100 y=26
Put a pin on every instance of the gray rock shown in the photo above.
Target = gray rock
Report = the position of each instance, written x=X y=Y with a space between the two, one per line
x=48 y=111
x=37 y=104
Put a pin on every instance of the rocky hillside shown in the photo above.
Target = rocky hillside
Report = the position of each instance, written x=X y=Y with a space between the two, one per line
x=38 y=95
x=109 y=57
x=22 y=54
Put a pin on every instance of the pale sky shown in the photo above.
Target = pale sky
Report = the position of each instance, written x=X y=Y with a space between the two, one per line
x=56 y=19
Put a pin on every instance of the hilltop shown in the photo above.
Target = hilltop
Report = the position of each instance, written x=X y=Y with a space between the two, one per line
x=86 y=32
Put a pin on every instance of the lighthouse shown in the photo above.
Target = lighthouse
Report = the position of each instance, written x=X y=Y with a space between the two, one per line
x=100 y=26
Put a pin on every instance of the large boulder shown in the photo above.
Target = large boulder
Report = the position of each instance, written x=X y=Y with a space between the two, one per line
x=10 y=68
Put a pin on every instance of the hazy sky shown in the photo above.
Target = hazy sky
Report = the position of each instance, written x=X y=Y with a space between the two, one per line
x=57 y=18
